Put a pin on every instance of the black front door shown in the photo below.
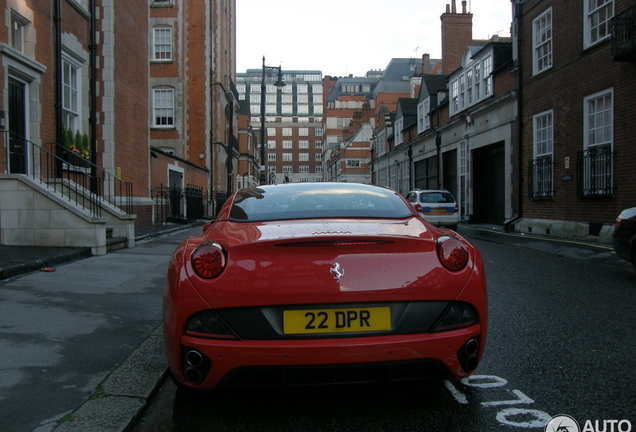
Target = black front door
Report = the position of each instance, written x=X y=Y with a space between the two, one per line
x=17 y=128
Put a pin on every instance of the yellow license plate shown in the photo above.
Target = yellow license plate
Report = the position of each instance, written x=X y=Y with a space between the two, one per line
x=336 y=320
x=438 y=210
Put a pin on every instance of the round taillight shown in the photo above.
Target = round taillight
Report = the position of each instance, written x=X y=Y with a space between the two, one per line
x=452 y=253
x=208 y=260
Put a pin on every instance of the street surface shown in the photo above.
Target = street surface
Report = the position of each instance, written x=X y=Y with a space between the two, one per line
x=561 y=341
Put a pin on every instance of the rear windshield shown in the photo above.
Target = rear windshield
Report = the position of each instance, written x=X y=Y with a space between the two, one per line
x=436 y=198
x=318 y=201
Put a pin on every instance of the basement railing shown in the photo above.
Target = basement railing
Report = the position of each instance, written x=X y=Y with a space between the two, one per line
x=74 y=178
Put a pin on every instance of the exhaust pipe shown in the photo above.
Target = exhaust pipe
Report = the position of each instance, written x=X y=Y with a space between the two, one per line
x=467 y=355
x=195 y=366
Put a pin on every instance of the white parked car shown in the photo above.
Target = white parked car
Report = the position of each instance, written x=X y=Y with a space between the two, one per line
x=436 y=206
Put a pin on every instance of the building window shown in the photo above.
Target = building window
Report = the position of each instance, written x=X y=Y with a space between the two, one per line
x=597 y=156
x=353 y=163
x=301 y=88
x=303 y=157
x=454 y=96
x=271 y=157
x=303 y=169
x=17 y=32
x=462 y=92
x=477 y=69
x=423 y=120
x=271 y=131
x=287 y=144
x=318 y=132
x=270 y=98
x=542 y=42
x=316 y=88
x=255 y=98
x=163 y=107
x=469 y=87
x=462 y=158
x=318 y=169
x=303 y=109
x=303 y=144
x=598 y=20
x=317 y=109
x=287 y=131
x=287 y=157
x=270 y=109
x=287 y=99
x=302 y=98
x=162 y=43
x=70 y=95
x=399 y=137
x=487 y=79
x=271 y=144
x=318 y=157
x=541 y=169
x=288 y=169
x=303 y=131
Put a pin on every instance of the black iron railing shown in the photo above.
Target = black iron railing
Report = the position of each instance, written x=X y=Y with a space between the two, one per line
x=595 y=172
x=176 y=204
x=624 y=35
x=541 y=176
x=70 y=176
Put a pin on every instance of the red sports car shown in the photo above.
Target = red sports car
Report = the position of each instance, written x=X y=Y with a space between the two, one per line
x=322 y=283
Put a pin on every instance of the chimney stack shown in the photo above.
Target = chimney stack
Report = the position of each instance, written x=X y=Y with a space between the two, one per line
x=457 y=34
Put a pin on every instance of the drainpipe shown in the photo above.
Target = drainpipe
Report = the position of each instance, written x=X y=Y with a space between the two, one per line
x=518 y=15
x=92 y=120
x=59 y=132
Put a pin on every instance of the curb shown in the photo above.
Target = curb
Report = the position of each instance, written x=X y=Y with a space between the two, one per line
x=121 y=398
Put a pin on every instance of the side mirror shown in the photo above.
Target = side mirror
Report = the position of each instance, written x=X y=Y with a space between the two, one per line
x=207 y=225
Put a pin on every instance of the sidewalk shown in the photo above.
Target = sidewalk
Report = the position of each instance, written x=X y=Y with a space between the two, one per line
x=82 y=346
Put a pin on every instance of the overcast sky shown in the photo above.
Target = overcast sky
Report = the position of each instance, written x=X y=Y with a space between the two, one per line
x=342 y=37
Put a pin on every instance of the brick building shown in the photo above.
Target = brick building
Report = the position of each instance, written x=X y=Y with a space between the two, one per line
x=578 y=88
x=102 y=104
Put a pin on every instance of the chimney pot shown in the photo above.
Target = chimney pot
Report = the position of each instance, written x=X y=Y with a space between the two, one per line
x=463 y=6
x=454 y=6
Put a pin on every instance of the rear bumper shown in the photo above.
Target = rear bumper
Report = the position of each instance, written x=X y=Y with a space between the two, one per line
x=441 y=220
x=233 y=363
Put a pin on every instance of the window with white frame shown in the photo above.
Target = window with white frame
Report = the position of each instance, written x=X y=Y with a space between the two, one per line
x=287 y=98
x=598 y=20
x=303 y=144
x=287 y=109
x=598 y=143
x=477 y=70
x=303 y=131
x=287 y=157
x=487 y=79
x=255 y=88
x=318 y=144
x=454 y=96
x=316 y=88
x=423 y=120
x=303 y=169
x=255 y=108
x=18 y=24
x=399 y=137
x=70 y=94
x=302 y=98
x=318 y=132
x=318 y=109
x=318 y=157
x=462 y=91
x=303 y=109
x=255 y=98
x=469 y=87
x=271 y=144
x=271 y=157
x=287 y=131
x=317 y=99
x=270 y=109
x=287 y=144
x=542 y=42
x=162 y=43
x=462 y=158
x=288 y=169
x=303 y=157
x=163 y=107
x=542 y=164
x=318 y=169
x=353 y=163
x=270 y=98
x=271 y=131
x=301 y=88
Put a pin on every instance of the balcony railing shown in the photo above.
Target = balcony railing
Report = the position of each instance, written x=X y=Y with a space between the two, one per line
x=595 y=172
x=624 y=35
x=74 y=178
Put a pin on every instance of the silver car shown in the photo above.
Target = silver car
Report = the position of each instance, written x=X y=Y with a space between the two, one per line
x=436 y=206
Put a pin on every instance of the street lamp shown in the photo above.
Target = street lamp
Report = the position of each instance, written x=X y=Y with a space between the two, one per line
x=279 y=84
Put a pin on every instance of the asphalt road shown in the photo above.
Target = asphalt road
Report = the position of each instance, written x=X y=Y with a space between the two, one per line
x=561 y=341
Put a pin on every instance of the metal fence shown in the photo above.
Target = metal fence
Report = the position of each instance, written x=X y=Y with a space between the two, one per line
x=176 y=204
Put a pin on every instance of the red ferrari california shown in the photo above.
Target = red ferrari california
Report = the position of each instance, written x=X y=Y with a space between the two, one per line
x=322 y=283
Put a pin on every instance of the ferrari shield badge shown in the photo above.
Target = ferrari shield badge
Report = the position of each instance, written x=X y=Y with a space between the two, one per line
x=337 y=271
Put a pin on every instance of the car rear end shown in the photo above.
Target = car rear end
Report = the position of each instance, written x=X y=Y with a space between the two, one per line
x=436 y=206
x=308 y=300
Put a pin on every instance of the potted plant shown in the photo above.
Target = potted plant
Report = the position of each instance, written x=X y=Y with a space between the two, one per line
x=77 y=148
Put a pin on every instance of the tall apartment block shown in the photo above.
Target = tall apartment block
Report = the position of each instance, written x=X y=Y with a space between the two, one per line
x=292 y=121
